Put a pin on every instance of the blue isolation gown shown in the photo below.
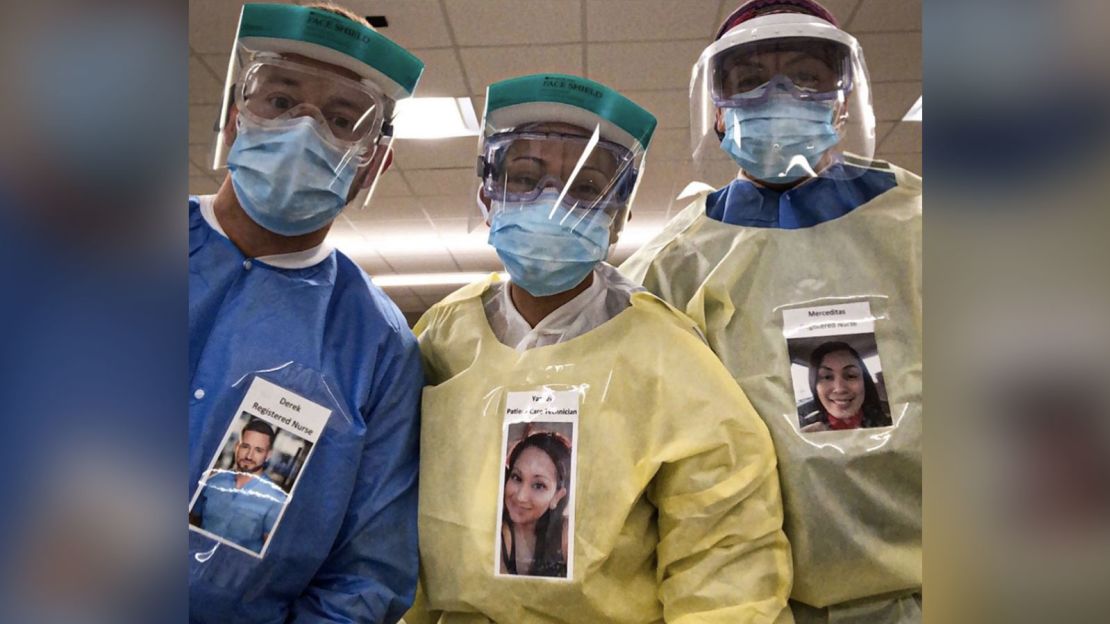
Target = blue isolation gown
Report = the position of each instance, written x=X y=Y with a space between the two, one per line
x=344 y=548
x=840 y=189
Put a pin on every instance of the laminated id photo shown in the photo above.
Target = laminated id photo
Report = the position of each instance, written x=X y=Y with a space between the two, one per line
x=253 y=476
x=835 y=368
x=535 y=521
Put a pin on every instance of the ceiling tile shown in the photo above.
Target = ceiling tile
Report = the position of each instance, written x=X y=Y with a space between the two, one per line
x=412 y=318
x=202 y=118
x=507 y=22
x=376 y=226
x=218 y=64
x=199 y=155
x=442 y=74
x=433 y=293
x=670 y=106
x=203 y=86
x=653 y=65
x=391 y=184
x=892 y=56
x=842 y=10
x=670 y=144
x=391 y=208
x=437 y=154
x=458 y=206
x=637 y=20
x=407 y=303
x=484 y=261
x=202 y=185
x=488 y=65
x=374 y=264
x=459 y=225
x=894 y=99
x=436 y=260
x=718 y=173
x=452 y=182
x=885 y=15
x=882 y=129
x=412 y=23
x=904 y=138
x=212 y=25
x=661 y=185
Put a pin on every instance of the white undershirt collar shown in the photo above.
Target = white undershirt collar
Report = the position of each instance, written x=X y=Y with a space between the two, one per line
x=294 y=260
x=554 y=326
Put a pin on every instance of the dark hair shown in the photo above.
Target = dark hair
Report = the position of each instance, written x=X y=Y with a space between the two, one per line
x=874 y=415
x=549 y=558
x=260 y=426
x=341 y=11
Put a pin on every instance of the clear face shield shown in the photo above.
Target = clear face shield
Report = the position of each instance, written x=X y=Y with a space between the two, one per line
x=287 y=113
x=560 y=173
x=785 y=97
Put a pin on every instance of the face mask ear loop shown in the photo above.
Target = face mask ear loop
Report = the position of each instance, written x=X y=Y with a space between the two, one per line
x=481 y=204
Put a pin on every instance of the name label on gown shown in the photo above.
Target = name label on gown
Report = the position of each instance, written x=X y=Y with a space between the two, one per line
x=535 y=502
x=835 y=369
x=253 y=476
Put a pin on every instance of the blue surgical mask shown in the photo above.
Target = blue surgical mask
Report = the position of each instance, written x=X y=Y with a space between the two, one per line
x=547 y=249
x=780 y=140
x=287 y=178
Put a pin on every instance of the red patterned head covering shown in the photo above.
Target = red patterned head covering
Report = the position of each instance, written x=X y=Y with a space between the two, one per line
x=755 y=8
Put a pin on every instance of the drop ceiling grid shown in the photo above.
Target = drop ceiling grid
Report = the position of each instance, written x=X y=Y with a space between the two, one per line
x=426 y=22
x=469 y=43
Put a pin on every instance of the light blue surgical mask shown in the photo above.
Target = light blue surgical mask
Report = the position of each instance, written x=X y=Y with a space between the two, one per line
x=547 y=249
x=780 y=140
x=287 y=178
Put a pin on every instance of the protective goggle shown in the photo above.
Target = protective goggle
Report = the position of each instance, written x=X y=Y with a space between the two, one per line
x=351 y=115
x=809 y=69
x=588 y=173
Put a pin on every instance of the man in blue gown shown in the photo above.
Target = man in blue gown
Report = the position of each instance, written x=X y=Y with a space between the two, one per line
x=306 y=128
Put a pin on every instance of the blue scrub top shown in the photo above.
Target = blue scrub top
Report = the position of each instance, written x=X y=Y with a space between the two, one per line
x=240 y=515
x=345 y=548
x=839 y=190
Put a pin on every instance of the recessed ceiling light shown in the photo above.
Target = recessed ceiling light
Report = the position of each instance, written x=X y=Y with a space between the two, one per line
x=914 y=113
x=435 y=118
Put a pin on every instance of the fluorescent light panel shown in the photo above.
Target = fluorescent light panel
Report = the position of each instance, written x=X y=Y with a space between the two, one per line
x=435 y=118
x=914 y=113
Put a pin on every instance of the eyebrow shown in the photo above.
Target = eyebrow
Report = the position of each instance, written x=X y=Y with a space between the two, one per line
x=527 y=157
x=601 y=171
x=341 y=101
x=285 y=80
x=829 y=368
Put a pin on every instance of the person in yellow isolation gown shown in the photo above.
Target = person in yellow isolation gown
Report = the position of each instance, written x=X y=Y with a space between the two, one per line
x=584 y=455
x=810 y=228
